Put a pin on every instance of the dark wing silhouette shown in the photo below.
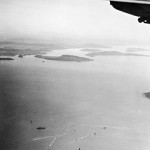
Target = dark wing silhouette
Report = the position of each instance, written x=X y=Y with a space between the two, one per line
x=139 y=8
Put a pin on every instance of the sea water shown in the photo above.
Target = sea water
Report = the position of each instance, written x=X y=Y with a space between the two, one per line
x=87 y=105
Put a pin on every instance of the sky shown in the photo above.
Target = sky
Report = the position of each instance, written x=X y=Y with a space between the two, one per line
x=75 y=18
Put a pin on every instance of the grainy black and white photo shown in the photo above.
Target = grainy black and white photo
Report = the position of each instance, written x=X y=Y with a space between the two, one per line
x=74 y=74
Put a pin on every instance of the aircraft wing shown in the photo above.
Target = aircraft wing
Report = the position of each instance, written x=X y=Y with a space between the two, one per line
x=139 y=8
x=134 y=1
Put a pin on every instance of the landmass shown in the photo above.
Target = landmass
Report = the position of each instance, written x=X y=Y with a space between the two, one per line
x=23 y=52
x=20 y=56
x=90 y=50
x=136 y=49
x=6 y=59
x=95 y=46
x=147 y=95
x=113 y=53
x=65 y=58
x=34 y=44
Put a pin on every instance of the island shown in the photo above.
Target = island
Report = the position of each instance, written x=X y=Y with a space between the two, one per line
x=113 y=53
x=6 y=59
x=20 y=56
x=147 y=95
x=65 y=58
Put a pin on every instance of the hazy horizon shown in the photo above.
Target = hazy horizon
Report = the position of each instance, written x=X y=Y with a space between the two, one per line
x=81 y=19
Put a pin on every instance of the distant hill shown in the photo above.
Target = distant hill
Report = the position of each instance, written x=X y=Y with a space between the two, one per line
x=23 y=52
x=113 y=53
x=137 y=50
x=95 y=46
x=34 y=46
x=54 y=42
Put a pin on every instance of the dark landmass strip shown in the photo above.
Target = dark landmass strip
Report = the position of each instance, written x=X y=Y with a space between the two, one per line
x=136 y=49
x=90 y=50
x=65 y=58
x=113 y=53
x=6 y=59
x=147 y=95
x=14 y=52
